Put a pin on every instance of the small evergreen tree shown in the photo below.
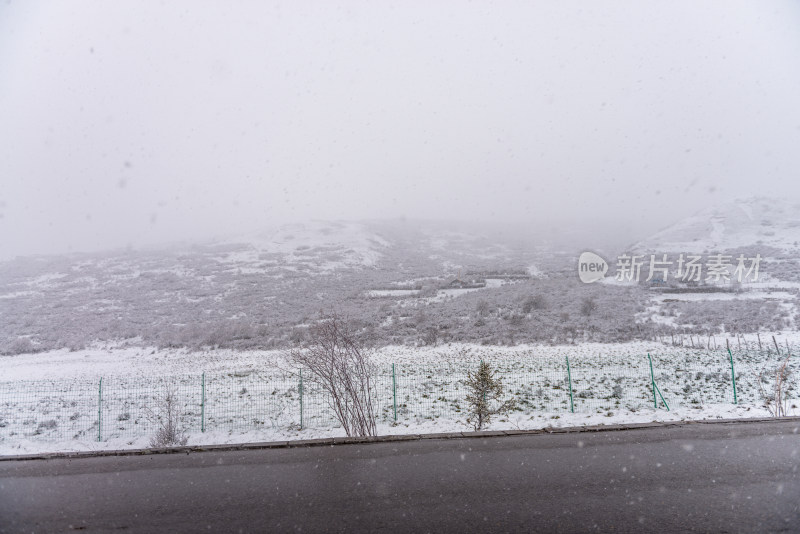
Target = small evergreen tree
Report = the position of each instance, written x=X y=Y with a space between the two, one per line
x=484 y=390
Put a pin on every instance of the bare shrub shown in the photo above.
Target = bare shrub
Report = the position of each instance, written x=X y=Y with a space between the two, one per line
x=21 y=345
x=776 y=396
x=484 y=389
x=166 y=417
x=431 y=336
x=515 y=319
x=341 y=365
x=534 y=302
x=588 y=306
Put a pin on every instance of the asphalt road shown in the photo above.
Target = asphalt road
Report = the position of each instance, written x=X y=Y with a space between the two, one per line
x=720 y=478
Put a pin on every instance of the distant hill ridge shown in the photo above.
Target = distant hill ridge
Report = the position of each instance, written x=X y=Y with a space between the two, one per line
x=770 y=223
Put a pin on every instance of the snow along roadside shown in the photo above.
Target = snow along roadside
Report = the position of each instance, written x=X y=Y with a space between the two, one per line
x=267 y=438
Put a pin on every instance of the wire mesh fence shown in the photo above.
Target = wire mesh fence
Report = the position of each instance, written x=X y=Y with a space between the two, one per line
x=130 y=407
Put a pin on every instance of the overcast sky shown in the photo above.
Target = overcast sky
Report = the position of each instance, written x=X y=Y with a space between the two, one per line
x=129 y=123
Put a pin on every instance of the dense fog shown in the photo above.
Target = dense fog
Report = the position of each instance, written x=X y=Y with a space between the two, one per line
x=127 y=124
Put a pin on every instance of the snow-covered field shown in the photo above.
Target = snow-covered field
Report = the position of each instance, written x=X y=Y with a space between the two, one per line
x=55 y=401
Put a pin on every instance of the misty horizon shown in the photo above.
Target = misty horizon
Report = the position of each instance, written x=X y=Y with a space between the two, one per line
x=132 y=125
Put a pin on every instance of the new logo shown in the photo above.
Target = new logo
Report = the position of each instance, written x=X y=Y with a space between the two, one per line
x=591 y=267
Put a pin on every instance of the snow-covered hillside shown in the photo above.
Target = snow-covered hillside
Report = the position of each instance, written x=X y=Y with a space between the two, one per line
x=757 y=221
x=762 y=227
x=403 y=281
x=316 y=246
x=259 y=290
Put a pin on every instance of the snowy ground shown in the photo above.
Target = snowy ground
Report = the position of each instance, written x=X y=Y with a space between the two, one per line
x=55 y=401
x=128 y=359
x=654 y=311
x=517 y=422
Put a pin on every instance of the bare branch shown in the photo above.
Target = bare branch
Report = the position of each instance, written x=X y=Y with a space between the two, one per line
x=339 y=363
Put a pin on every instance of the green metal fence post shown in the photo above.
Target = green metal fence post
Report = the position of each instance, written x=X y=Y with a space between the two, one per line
x=569 y=379
x=733 y=378
x=655 y=387
x=100 y=411
x=301 y=399
x=663 y=399
x=652 y=381
x=203 y=404
x=394 y=394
